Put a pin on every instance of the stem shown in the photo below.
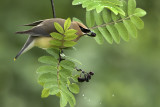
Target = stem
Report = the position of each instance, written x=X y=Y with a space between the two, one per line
x=58 y=66
x=53 y=9
x=106 y=24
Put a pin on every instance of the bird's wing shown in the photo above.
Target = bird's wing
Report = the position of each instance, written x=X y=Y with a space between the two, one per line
x=37 y=31
x=44 y=28
x=34 y=23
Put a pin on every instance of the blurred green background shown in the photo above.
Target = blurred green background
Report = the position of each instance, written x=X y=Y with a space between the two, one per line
x=126 y=75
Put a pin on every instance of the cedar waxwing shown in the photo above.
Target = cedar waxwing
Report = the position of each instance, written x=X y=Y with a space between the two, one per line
x=40 y=33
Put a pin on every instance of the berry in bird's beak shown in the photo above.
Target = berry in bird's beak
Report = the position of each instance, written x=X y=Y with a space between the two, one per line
x=92 y=34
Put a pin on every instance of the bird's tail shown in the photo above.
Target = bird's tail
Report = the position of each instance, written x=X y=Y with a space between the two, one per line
x=28 y=45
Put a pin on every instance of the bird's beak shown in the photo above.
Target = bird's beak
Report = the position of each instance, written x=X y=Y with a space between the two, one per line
x=87 y=32
x=91 y=34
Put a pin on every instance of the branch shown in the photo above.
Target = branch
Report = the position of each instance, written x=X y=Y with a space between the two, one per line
x=53 y=9
x=106 y=24
x=58 y=66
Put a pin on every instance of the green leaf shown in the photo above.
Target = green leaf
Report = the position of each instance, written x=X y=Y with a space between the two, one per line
x=99 y=9
x=124 y=7
x=73 y=60
x=63 y=80
x=54 y=91
x=106 y=14
x=85 y=4
x=69 y=43
x=76 y=2
x=120 y=11
x=74 y=88
x=51 y=85
x=99 y=38
x=131 y=6
x=138 y=22
x=75 y=78
x=63 y=99
x=54 y=52
x=98 y=17
x=67 y=64
x=76 y=19
x=47 y=77
x=46 y=69
x=71 y=99
x=56 y=35
x=56 y=43
x=58 y=95
x=114 y=10
x=122 y=31
x=139 y=12
x=70 y=32
x=115 y=17
x=90 y=18
x=45 y=93
x=58 y=27
x=67 y=24
x=70 y=37
x=130 y=28
x=68 y=82
x=70 y=49
x=69 y=95
x=113 y=31
x=65 y=73
x=91 y=6
x=48 y=60
x=106 y=34
x=99 y=5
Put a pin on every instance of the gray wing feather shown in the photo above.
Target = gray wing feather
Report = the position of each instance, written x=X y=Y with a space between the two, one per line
x=34 y=23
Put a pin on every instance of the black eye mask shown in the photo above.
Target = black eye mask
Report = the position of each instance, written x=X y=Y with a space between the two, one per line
x=84 y=30
x=87 y=32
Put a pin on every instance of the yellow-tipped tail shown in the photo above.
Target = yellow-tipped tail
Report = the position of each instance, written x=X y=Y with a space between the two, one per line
x=14 y=59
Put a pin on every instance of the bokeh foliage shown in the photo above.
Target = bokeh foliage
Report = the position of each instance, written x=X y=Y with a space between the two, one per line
x=126 y=75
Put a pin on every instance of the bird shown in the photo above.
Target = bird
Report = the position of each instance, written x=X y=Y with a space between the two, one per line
x=39 y=34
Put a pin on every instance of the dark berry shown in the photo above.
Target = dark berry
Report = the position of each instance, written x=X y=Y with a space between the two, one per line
x=89 y=76
x=81 y=79
x=91 y=73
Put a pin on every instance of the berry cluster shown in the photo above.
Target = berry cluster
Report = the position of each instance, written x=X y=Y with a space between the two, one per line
x=84 y=76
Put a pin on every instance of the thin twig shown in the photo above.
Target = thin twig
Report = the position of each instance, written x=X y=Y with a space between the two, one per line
x=58 y=66
x=106 y=24
x=53 y=9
